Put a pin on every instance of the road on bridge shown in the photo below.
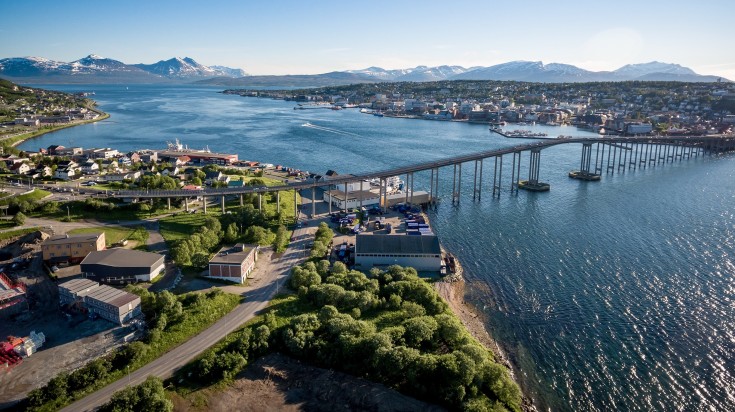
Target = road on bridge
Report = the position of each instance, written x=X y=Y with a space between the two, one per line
x=255 y=299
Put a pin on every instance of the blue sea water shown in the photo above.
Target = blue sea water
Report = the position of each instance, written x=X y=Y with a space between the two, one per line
x=611 y=295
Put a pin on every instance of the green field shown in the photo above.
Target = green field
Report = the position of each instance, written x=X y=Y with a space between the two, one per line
x=115 y=234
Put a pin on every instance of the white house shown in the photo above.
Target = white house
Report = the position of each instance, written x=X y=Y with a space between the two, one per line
x=90 y=167
x=65 y=173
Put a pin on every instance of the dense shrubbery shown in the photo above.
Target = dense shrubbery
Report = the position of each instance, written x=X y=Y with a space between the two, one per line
x=322 y=240
x=171 y=319
x=388 y=326
x=195 y=250
x=148 y=396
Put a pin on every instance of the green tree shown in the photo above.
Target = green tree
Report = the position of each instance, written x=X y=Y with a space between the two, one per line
x=281 y=241
x=19 y=219
x=148 y=396
x=231 y=233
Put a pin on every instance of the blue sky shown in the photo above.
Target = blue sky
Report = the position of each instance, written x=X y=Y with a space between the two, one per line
x=304 y=37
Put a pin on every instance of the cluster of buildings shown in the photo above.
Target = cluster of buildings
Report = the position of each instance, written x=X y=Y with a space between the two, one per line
x=68 y=116
x=618 y=107
x=70 y=163
x=122 y=266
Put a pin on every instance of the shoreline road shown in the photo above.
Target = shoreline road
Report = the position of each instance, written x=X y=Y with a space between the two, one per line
x=254 y=301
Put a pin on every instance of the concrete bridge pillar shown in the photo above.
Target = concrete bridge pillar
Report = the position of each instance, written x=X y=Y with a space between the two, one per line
x=361 y=181
x=515 y=172
x=168 y=201
x=498 y=175
x=186 y=204
x=534 y=164
x=204 y=204
x=278 y=202
x=477 y=185
x=346 y=197
x=223 y=204
x=241 y=202
x=295 y=206
x=260 y=202
x=313 y=201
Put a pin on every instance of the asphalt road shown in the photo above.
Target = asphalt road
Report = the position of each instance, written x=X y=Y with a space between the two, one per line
x=254 y=301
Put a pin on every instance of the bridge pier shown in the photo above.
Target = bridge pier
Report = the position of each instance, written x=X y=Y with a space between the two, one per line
x=241 y=202
x=477 y=188
x=168 y=201
x=361 y=194
x=534 y=166
x=515 y=172
x=498 y=176
x=457 y=184
x=346 y=208
x=278 y=202
x=223 y=204
x=186 y=204
x=260 y=202
x=584 y=165
x=431 y=187
x=313 y=201
x=384 y=194
x=295 y=206
x=204 y=204
x=436 y=188
x=410 y=197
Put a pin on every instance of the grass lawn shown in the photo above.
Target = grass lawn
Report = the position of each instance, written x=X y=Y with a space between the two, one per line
x=182 y=225
x=19 y=232
x=36 y=194
x=115 y=234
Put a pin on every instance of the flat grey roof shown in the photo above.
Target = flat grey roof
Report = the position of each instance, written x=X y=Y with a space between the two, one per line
x=397 y=244
x=75 y=286
x=123 y=258
x=87 y=237
x=111 y=296
x=230 y=256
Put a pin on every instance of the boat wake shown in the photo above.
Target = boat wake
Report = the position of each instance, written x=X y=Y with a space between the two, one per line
x=329 y=130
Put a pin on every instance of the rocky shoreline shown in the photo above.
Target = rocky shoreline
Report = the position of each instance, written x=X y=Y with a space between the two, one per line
x=452 y=290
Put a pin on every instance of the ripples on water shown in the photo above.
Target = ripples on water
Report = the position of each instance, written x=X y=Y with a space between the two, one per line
x=617 y=295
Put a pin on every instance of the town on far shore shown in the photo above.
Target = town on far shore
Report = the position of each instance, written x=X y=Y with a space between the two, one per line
x=611 y=108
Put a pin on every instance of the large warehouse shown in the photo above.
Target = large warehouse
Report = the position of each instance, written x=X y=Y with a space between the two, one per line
x=123 y=265
x=109 y=303
x=420 y=252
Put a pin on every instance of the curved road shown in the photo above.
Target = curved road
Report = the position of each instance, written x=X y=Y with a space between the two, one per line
x=255 y=300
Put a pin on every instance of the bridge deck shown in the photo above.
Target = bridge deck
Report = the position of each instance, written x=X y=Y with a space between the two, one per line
x=692 y=140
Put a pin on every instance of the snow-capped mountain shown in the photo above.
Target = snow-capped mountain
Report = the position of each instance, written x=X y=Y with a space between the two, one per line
x=229 y=71
x=559 y=73
x=95 y=63
x=642 y=69
x=415 y=74
x=380 y=73
x=429 y=74
x=529 y=71
x=94 y=68
x=184 y=68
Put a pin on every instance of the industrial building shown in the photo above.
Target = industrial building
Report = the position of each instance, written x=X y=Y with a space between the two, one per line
x=233 y=264
x=122 y=265
x=109 y=303
x=420 y=252
x=72 y=249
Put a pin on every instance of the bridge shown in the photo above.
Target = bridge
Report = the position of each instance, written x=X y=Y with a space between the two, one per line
x=611 y=154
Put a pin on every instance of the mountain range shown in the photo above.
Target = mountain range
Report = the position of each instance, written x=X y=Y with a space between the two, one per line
x=96 y=69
